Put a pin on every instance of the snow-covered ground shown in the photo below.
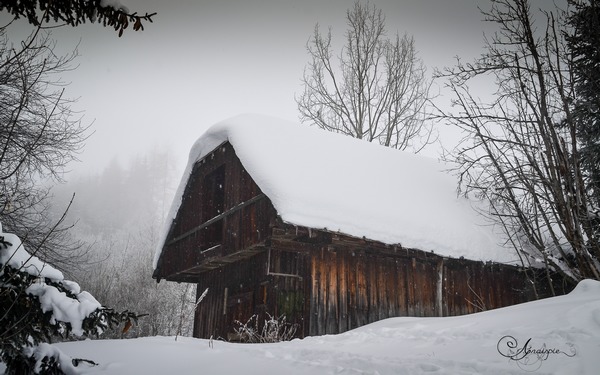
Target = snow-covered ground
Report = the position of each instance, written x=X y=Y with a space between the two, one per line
x=566 y=329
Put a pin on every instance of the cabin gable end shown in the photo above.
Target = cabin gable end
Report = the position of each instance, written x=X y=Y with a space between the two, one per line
x=224 y=217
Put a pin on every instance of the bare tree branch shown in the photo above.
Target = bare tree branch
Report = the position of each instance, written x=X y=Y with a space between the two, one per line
x=378 y=93
x=39 y=136
x=520 y=151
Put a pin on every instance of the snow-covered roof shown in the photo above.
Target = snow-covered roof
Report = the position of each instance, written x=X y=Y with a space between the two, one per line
x=324 y=180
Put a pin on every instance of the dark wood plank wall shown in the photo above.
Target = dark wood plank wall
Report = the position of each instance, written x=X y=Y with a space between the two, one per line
x=234 y=294
x=246 y=213
x=327 y=291
x=288 y=288
x=353 y=288
x=354 y=282
x=350 y=289
x=255 y=286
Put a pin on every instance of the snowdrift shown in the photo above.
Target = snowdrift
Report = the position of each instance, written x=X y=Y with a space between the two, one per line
x=559 y=335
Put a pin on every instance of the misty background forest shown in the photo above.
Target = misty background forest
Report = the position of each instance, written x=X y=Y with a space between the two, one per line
x=116 y=218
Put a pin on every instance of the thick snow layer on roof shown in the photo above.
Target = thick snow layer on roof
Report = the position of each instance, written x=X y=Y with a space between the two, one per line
x=329 y=181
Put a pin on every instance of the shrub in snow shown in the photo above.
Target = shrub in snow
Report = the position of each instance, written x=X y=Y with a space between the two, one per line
x=273 y=330
x=37 y=305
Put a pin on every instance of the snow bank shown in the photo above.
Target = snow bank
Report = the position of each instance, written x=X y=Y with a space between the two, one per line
x=329 y=181
x=566 y=327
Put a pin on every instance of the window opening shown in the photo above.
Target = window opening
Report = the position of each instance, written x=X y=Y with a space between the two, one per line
x=213 y=204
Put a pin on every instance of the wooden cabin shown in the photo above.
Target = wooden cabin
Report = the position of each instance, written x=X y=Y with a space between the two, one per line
x=315 y=255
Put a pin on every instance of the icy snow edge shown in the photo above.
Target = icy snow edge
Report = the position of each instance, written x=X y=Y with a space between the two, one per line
x=329 y=181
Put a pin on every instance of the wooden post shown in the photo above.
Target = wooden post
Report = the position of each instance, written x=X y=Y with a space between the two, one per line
x=440 y=289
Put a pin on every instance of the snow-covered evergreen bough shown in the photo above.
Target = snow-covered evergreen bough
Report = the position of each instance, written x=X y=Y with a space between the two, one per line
x=38 y=305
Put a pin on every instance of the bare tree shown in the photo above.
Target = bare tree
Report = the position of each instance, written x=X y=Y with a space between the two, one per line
x=520 y=150
x=378 y=93
x=39 y=136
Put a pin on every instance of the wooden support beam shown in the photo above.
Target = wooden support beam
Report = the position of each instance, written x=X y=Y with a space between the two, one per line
x=217 y=218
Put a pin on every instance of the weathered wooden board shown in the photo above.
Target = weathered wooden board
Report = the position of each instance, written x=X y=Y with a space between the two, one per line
x=223 y=214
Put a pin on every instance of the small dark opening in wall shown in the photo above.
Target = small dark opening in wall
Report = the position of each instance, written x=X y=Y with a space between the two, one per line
x=212 y=235
x=213 y=204
x=213 y=194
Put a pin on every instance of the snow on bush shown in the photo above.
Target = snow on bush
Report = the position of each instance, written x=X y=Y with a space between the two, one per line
x=13 y=254
x=37 y=304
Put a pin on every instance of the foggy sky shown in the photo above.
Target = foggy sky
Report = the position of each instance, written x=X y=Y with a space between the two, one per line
x=204 y=61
